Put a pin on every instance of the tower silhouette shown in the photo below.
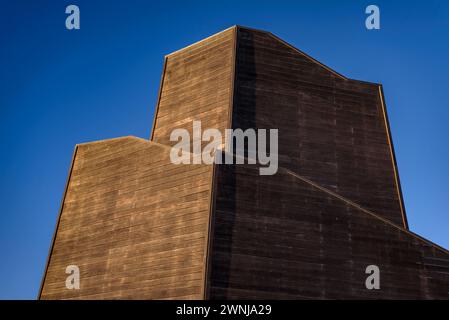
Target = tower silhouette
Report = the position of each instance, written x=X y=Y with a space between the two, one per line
x=140 y=227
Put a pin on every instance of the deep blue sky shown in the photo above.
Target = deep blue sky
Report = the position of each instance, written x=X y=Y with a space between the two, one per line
x=61 y=87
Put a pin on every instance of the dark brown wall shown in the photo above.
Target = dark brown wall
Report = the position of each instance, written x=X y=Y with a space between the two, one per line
x=135 y=224
x=196 y=85
x=331 y=129
x=281 y=237
x=333 y=208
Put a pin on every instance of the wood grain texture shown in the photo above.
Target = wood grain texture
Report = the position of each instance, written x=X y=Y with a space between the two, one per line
x=140 y=227
x=196 y=86
x=134 y=223
x=333 y=208
x=331 y=130
x=280 y=237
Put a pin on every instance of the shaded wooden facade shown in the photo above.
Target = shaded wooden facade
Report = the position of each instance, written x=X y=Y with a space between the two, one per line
x=140 y=227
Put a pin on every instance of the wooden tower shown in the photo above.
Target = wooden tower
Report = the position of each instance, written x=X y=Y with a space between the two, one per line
x=140 y=227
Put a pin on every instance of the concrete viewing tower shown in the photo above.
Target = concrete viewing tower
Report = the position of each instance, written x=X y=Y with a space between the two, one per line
x=140 y=227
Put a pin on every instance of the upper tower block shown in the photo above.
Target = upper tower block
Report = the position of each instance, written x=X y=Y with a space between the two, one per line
x=332 y=130
x=196 y=85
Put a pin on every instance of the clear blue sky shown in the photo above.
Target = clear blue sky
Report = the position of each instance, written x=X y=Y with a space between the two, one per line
x=61 y=87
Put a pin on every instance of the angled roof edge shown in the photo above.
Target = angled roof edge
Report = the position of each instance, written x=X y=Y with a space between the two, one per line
x=198 y=42
x=339 y=75
x=366 y=211
x=109 y=140
x=131 y=137
x=304 y=54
